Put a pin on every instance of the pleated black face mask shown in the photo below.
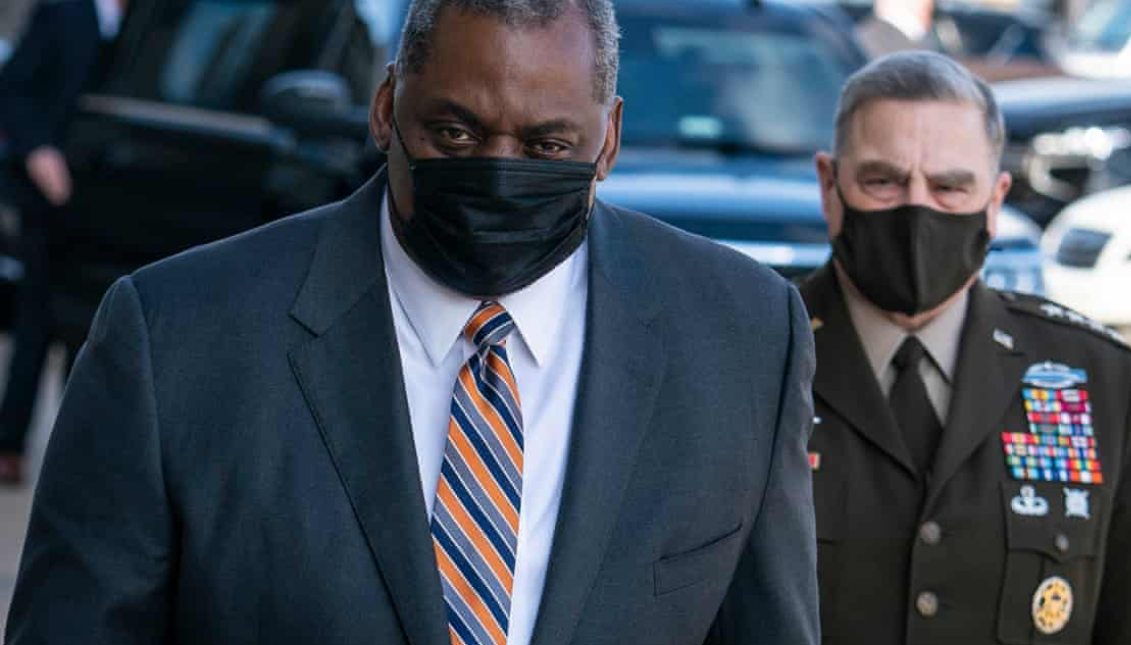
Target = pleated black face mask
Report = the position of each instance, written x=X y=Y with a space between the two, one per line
x=911 y=258
x=486 y=227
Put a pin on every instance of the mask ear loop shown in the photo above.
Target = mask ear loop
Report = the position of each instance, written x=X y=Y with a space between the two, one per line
x=400 y=139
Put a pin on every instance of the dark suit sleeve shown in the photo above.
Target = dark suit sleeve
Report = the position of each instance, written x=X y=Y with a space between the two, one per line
x=41 y=83
x=1113 y=618
x=97 y=563
x=773 y=598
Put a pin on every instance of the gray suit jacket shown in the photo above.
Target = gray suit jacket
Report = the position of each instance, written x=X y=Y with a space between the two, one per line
x=233 y=461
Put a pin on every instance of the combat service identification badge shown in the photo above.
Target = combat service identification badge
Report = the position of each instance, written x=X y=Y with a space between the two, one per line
x=1052 y=605
x=1061 y=443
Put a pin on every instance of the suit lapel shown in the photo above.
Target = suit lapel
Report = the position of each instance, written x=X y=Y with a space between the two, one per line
x=622 y=367
x=844 y=379
x=351 y=377
x=987 y=378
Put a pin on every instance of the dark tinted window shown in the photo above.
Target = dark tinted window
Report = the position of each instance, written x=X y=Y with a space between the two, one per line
x=219 y=53
x=730 y=80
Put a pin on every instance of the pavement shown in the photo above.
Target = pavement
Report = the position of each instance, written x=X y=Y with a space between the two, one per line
x=15 y=504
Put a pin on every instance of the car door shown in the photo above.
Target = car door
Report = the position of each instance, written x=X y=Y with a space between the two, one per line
x=172 y=149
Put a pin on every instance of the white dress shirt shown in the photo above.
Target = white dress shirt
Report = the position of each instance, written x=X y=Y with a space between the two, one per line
x=545 y=356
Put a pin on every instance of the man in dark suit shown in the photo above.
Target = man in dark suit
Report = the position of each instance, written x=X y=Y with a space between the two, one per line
x=971 y=457
x=469 y=404
x=39 y=87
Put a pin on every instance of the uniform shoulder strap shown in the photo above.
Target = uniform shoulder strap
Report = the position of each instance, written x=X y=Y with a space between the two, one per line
x=1059 y=314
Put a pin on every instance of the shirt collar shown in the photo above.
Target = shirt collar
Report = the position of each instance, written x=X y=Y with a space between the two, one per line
x=882 y=338
x=438 y=314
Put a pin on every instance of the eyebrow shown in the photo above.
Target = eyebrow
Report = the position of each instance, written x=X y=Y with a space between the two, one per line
x=949 y=177
x=554 y=126
x=953 y=178
x=881 y=168
x=465 y=114
x=461 y=112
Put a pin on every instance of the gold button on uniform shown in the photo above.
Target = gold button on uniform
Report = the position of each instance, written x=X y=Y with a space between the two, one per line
x=928 y=604
x=930 y=533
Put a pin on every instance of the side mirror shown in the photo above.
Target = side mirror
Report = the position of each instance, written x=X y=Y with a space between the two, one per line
x=311 y=102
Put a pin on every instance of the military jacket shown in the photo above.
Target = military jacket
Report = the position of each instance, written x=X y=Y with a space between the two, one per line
x=1021 y=531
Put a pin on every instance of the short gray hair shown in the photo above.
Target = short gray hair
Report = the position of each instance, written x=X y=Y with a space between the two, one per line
x=918 y=76
x=420 y=27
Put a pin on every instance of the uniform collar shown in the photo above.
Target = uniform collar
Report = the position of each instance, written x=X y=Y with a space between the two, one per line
x=438 y=314
x=882 y=338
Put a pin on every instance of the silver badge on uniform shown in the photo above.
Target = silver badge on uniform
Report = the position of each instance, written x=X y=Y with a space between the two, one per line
x=1030 y=504
x=1076 y=503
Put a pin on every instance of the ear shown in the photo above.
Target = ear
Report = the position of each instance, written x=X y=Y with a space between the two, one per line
x=381 y=110
x=611 y=148
x=831 y=207
x=1001 y=188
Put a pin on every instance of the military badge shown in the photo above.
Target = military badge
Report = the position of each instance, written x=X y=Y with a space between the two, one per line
x=1061 y=444
x=1029 y=503
x=1076 y=504
x=814 y=461
x=1052 y=605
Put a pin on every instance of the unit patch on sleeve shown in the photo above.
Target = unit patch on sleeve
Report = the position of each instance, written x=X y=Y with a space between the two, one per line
x=1060 y=445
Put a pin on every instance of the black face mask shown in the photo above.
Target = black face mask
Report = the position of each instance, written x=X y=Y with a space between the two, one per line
x=487 y=227
x=910 y=258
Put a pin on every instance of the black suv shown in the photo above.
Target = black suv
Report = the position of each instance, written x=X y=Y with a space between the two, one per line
x=219 y=115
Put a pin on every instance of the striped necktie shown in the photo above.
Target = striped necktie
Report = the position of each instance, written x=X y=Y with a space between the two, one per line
x=475 y=515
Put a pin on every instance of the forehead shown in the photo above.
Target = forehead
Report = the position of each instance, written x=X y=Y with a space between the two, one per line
x=490 y=66
x=931 y=136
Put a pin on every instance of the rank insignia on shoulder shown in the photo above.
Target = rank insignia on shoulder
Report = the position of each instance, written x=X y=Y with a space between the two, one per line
x=1037 y=306
x=1052 y=605
x=1061 y=443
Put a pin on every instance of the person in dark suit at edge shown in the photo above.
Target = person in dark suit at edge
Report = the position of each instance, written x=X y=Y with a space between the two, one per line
x=39 y=88
x=469 y=404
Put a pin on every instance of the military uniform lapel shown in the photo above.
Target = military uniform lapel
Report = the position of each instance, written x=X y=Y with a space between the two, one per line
x=986 y=381
x=844 y=380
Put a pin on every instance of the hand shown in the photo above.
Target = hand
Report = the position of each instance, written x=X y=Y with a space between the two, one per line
x=47 y=169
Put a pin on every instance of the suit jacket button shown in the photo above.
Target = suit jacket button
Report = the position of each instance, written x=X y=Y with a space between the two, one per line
x=930 y=533
x=1062 y=543
x=928 y=604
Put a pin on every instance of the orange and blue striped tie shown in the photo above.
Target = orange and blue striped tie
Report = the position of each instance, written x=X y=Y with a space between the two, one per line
x=475 y=516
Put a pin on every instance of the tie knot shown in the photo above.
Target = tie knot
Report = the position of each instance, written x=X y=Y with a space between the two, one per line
x=489 y=325
x=909 y=354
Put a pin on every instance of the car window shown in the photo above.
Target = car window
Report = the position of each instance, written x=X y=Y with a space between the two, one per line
x=727 y=83
x=1105 y=27
x=219 y=53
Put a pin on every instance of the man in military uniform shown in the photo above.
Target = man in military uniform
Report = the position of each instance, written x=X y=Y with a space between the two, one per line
x=971 y=456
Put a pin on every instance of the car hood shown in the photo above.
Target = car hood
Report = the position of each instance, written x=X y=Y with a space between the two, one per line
x=1104 y=211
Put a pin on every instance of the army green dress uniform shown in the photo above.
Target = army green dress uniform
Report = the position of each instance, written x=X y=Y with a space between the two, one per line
x=1020 y=532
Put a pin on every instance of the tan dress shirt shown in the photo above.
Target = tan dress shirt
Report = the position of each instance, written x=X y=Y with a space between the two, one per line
x=882 y=338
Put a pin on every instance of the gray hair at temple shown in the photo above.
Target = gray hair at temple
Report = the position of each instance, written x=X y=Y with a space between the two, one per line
x=420 y=25
x=918 y=76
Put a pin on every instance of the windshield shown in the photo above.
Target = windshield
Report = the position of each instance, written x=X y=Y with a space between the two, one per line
x=1105 y=27
x=728 y=85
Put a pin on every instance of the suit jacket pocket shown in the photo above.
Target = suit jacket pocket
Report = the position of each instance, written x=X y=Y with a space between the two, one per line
x=1048 y=545
x=675 y=572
